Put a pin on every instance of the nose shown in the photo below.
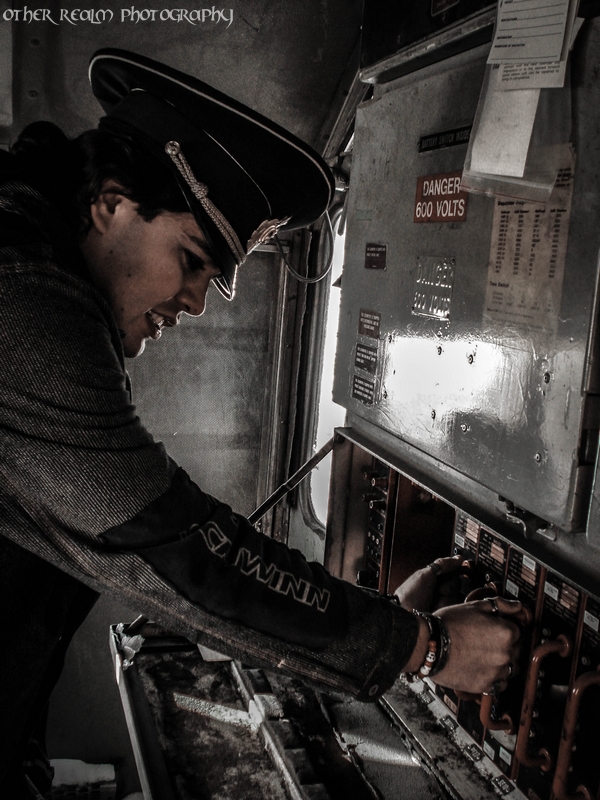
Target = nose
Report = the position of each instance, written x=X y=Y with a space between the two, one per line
x=192 y=296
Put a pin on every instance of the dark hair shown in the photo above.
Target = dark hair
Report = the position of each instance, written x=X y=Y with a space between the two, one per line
x=72 y=172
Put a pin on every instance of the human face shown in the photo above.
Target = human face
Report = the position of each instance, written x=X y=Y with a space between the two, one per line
x=150 y=272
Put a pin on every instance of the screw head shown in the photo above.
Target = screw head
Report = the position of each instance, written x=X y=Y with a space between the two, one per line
x=538 y=457
x=546 y=377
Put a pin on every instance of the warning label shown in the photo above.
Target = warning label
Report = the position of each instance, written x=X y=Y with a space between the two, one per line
x=434 y=280
x=439 y=198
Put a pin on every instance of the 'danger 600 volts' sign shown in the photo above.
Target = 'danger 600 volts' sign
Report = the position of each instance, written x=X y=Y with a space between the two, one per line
x=439 y=198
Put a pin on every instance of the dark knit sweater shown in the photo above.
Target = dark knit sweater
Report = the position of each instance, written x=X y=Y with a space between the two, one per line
x=85 y=488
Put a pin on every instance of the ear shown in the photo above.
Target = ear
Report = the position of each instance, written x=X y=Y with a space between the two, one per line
x=108 y=205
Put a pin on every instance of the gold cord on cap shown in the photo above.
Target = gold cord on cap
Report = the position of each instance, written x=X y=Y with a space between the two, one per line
x=200 y=192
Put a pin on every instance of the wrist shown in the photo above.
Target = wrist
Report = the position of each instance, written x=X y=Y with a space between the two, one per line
x=420 y=649
x=437 y=648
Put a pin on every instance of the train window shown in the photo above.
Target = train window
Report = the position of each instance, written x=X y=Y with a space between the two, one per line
x=329 y=414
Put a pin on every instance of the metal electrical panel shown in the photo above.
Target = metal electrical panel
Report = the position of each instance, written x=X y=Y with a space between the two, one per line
x=538 y=738
x=467 y=326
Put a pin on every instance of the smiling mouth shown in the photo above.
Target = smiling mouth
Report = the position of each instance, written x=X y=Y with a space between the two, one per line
x=156 y=322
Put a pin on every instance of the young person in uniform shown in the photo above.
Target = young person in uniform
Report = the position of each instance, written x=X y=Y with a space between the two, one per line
x=105 y=242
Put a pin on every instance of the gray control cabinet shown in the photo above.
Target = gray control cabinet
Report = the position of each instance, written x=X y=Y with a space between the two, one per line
x=467 y=330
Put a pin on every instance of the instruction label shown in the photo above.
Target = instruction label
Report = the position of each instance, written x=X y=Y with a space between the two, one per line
x=369 y=323
x=363 y=390
x=439 y=198
x=527 y=258
x=366 y=358
x=375 y=256
x=438 y=141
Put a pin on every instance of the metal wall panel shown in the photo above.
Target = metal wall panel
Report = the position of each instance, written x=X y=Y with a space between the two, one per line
x=501 y=402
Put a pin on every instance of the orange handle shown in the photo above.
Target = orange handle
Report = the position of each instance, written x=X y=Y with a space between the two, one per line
x=505 y=723
x=563 y=761
x=562 y=647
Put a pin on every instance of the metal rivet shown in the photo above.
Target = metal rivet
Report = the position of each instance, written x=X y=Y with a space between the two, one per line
x=385 y=395
x=433 y=413
x=470 y=359
x=439 y=351
x=538 y=457
x=547 y=377
x=390 y=338
x=463 y=428
x=373 y=690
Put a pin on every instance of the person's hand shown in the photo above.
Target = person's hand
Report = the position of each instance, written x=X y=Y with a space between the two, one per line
x=432 y=587
x=484 y=650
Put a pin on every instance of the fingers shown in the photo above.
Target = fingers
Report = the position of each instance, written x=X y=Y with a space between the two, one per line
x=485 y=645
x=508 y=607
x=502 y=608
x=499 y=605
x=500 y=684
x=445 y=566
x=497 y=687
x=481 y=593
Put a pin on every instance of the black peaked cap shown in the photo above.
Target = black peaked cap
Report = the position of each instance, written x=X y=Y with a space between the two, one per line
x=254 y=171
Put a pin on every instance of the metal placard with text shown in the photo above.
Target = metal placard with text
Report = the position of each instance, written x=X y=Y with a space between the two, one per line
x=439 y=198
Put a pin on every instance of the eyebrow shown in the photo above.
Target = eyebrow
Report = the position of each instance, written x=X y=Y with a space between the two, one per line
x=199 y=243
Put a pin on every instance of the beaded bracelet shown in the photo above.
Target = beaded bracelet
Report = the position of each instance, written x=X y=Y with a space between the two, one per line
x=438 y=646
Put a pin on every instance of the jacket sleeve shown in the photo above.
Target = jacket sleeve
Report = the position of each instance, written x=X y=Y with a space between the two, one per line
x=87 y=488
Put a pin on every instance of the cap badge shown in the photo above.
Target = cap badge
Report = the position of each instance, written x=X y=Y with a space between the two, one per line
x=265 y=231
x=200 y=192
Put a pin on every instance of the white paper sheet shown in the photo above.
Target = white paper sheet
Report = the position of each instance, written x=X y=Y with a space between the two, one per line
x=542 y=74
x=504 y=132
x=529 y=30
